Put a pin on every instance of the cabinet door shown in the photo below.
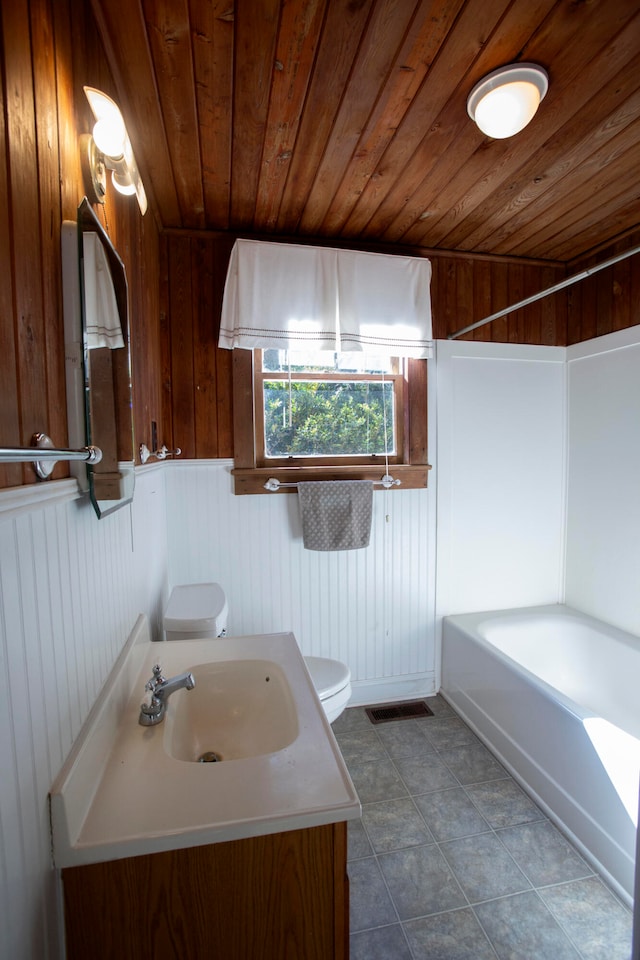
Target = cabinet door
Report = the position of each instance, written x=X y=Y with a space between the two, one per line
x=282 y=896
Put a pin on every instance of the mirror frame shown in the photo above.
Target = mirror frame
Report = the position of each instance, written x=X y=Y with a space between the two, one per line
x=120 y=397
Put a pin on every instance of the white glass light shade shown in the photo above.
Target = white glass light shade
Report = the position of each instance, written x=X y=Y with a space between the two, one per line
x=505 y=101
x=123 y=184
x=109 y=137
x=109 y=131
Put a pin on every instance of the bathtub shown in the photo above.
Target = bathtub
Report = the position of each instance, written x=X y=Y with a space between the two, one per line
x=555 y=695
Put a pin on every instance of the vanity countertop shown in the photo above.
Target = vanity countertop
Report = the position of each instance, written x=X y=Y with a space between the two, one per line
x=120 y=793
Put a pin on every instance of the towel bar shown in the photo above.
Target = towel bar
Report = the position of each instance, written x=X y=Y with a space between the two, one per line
x=273 y=484
x=44 y=455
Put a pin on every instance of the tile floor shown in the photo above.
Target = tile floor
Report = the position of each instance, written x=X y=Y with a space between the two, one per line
x=453 y=861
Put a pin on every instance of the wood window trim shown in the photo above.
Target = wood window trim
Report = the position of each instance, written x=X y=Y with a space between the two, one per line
x=249 y=478
x=396 y=380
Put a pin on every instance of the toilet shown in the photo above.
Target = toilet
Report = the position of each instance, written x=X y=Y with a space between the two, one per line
x=197 y=611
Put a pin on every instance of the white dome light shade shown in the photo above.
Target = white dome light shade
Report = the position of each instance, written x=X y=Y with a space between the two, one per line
x=505 y=101
x=109 y=135
x=109 y=131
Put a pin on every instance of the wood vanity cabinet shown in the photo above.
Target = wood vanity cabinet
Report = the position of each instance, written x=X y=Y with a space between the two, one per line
x=283 y=896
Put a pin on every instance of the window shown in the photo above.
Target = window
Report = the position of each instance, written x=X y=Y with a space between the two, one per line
x=327 y=416
x=319 y=407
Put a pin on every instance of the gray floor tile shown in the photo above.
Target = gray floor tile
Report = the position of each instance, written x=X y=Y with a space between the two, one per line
x=386 y=943
x=353 y=718
x=404 y=738
x=358 y=845
x=484 y=868
x=376 y=780
x=369 y=901
x=394 y=824
x=478 y=836
x=448 y=732
x=361 y=744
x=543 y=854
x=423 y=774
x=599 y=925
x=439 y=706
x=503 y=803
x=420 y=882
x=450 y=814
x=455 y=935
x=472 y=763
x=521 y=928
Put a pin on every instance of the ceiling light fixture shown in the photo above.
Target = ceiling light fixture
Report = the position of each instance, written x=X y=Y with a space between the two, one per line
x=505 y=101
x=109 y=149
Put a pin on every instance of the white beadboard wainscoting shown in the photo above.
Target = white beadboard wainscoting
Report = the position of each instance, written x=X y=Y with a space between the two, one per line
x=71 y=589
x=370 y=608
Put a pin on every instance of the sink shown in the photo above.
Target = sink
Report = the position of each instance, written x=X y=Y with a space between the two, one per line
x=237 y=709
x=127 y=790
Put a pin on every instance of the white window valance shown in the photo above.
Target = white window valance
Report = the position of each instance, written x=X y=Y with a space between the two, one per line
x=296 y=297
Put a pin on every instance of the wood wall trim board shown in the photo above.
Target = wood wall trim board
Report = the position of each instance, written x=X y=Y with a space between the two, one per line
x=253 y=479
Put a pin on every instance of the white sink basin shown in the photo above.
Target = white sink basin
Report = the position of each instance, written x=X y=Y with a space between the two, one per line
x=127 y=790
x=237 y=709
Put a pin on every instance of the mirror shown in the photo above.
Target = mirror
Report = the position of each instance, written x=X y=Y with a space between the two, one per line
x=98 y=360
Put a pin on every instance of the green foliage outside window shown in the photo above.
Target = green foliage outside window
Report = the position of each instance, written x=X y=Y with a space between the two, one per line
x=328 y=418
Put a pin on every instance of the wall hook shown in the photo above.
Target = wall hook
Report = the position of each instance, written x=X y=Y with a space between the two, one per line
x=161 y=454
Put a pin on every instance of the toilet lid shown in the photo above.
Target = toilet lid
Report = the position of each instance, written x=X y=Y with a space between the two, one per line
x=188 y=603
x=329 y=676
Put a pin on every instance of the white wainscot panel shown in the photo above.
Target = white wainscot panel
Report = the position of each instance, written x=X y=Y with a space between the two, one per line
x=71 y=588
x=371 y=608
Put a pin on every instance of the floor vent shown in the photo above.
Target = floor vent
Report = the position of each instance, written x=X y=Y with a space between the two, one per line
x=398 y=711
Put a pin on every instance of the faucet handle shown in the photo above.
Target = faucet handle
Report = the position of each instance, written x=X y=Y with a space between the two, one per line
x=156 y=679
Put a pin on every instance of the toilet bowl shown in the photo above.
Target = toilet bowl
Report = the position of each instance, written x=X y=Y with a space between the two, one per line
x=197 y=611
x=332 y=680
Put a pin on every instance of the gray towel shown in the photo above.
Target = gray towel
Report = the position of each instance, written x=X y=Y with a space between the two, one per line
x=336 y=514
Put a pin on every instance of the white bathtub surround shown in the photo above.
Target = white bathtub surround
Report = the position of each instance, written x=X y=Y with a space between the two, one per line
x=553 y=693
x=371 y=609
x=603 y=512
x=500 y=474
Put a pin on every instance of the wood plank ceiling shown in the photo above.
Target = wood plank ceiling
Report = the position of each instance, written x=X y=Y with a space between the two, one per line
x=346 y=119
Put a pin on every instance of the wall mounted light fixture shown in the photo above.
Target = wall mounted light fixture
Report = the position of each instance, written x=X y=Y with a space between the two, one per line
x=109 y=148
x=505 y=101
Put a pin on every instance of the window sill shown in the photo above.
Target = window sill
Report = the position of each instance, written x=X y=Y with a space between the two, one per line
x=251 y=480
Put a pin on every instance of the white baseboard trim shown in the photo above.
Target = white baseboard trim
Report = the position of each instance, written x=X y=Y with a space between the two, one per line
x=390 y=689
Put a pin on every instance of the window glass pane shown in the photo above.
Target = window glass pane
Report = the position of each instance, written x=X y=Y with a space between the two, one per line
x=328 y=418
x=323 y=361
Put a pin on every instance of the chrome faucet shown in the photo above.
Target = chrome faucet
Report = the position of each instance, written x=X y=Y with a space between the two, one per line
x=161 y=689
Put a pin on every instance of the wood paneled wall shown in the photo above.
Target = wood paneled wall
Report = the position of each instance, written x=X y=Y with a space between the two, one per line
x=608 y=300
x=49 y=49
x=197 y=411
x=467 y=289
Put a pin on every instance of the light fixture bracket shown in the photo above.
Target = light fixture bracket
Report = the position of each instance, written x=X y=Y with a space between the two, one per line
x=94 y=172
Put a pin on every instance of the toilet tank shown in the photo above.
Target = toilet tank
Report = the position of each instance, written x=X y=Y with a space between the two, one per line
x=196 y=611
